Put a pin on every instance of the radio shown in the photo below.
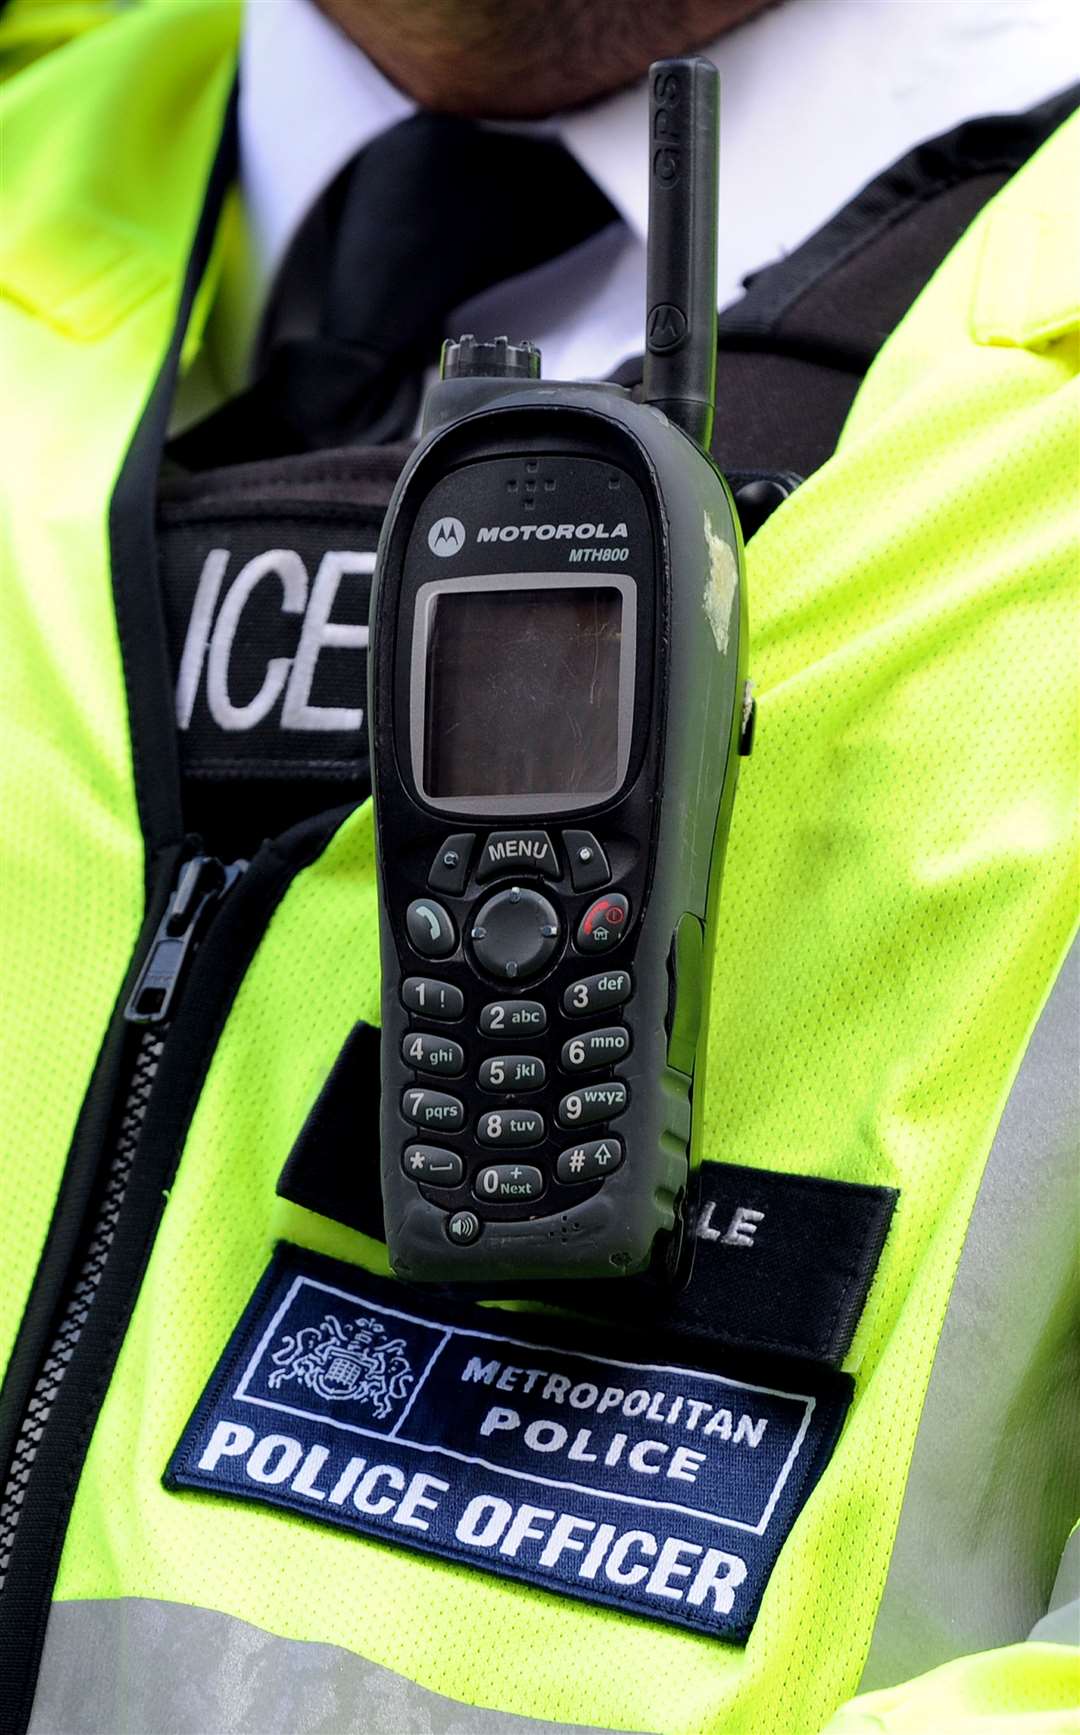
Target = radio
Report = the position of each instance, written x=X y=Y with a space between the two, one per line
x=558 y=703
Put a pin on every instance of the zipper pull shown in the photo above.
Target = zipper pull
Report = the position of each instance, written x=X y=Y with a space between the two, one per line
x=200 y=886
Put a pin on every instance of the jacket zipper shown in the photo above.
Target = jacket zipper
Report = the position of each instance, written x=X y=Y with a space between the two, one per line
x=200 y=886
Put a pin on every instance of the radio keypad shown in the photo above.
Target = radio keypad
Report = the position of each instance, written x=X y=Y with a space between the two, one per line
x=433 y=1109
x=510 y=1127
x=597 y=993
x=592 y=1102
x=511 y=1072
x=515 y=931
x=435 y=1054
x=431 y=999
x=596 y=1048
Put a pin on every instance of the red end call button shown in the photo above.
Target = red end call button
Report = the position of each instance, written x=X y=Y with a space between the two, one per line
x=603 y=923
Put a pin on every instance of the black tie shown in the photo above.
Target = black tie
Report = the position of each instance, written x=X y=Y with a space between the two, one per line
x=426 y=217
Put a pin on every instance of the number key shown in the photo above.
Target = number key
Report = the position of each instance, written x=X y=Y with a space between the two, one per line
x=432 y=1053
x=432 y=1109
x=512 y=1072
x=592 y=1102
x=596 y=1048
x=509 y=1183
x=597 y=993
x=513 y=1018
x=511 y=1126
x=431 y=999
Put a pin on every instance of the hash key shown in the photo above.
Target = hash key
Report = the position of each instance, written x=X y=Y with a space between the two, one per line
x=591 y=1161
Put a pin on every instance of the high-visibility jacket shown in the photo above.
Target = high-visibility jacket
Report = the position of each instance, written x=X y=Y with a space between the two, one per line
x=898 y=906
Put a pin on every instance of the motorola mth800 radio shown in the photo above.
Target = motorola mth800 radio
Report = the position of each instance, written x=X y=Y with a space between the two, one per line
x=558 y=702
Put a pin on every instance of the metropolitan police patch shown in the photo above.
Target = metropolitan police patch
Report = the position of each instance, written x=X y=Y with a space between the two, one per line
x=645 y=1484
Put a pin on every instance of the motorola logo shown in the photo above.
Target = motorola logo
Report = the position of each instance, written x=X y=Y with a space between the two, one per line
x=446 y=536
x=665 y=328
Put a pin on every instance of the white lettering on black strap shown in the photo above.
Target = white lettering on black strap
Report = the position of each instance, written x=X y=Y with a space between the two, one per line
x=211 y=640
x=288 y=568
x=320 y=631
x=198 y=634
x=267 y=609
x=740 y=1231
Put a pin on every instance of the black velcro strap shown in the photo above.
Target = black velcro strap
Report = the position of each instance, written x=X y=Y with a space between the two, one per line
x=795 y=348
x=783 y=1263
x=333 y=1168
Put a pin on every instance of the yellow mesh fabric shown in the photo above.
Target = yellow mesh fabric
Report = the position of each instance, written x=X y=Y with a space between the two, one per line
x=87 y=305
x=1029 y=1689
x=898 y=900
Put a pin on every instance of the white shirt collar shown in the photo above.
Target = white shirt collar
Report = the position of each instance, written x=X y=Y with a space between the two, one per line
x=309 y=100
x=818 y=96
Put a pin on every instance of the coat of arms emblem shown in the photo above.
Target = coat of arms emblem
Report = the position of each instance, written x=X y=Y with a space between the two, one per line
x=346 y=1362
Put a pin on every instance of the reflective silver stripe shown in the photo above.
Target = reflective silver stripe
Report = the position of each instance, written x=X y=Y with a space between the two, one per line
x=995 y=1480
x=135 y=1667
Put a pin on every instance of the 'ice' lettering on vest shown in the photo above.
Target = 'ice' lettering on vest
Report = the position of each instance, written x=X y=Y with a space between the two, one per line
x=213 y=632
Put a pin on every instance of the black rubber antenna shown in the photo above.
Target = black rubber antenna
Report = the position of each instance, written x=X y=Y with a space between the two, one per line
x=680 y=293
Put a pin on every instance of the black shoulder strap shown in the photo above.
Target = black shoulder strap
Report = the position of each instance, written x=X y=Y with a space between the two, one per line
x=795 y=348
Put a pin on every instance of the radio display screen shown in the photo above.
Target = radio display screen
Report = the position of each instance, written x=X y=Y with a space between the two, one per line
x=526 y=690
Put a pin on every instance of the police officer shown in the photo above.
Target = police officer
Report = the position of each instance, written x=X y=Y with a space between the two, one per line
x=216 y=318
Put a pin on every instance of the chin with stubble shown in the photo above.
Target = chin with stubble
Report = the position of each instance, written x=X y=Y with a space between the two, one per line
x=515 y=59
